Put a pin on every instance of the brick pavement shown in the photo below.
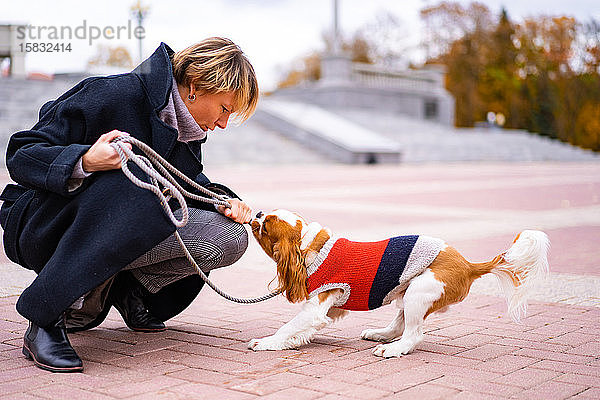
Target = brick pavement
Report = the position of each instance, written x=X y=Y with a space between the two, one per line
x=473 y=351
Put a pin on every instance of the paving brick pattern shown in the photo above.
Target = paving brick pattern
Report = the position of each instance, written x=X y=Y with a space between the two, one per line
x=473 y=351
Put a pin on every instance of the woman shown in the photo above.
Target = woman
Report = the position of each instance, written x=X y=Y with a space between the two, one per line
x=94 y=238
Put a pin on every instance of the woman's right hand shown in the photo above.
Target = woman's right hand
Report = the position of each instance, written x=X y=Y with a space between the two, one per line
x=102 y=156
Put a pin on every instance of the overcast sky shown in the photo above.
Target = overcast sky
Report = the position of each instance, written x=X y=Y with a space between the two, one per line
x=273 y=33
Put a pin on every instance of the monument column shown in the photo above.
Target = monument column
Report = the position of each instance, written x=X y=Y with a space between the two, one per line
x=336 y=67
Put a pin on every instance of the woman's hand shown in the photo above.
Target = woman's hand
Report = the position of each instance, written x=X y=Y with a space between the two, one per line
x=102 y=156
x=239 y=211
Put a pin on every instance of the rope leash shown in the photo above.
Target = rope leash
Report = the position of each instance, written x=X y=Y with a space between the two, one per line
x=213 y=286
x=170 y=186
x=164 y=185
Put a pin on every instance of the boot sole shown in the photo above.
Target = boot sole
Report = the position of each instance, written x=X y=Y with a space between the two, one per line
x=29 y=355
x=146 y=330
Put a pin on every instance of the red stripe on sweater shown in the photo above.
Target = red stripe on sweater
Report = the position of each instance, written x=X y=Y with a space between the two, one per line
x=354 y=263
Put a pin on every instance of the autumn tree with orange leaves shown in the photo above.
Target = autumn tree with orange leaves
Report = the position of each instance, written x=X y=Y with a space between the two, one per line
x=542 y=74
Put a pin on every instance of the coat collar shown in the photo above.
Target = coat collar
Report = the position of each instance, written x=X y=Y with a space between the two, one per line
x=156 y=76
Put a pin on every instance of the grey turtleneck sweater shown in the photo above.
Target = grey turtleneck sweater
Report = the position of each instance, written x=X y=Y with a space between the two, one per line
x=177 y=115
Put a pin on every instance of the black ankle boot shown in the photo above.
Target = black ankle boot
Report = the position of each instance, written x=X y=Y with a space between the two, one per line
x=128 y=300
x=50 y=349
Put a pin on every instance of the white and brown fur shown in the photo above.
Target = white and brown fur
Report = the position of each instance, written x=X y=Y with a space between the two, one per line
x=292 y=243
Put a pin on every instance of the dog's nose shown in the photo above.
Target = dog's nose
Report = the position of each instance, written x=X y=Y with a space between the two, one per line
x=259 y=214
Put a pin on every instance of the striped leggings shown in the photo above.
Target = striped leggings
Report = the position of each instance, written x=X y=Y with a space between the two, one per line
x=213 y=240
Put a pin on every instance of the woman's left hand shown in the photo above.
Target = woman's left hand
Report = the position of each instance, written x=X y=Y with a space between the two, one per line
x=239 y=211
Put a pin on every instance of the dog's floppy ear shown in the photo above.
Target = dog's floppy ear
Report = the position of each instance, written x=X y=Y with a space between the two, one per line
x=291 y=269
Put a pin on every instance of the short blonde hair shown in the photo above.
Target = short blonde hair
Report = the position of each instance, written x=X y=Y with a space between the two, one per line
x=218 y=65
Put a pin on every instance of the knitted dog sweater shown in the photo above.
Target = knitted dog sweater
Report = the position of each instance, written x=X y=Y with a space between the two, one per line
x=371 y=274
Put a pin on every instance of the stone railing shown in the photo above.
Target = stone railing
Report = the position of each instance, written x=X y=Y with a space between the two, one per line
x=377 y=77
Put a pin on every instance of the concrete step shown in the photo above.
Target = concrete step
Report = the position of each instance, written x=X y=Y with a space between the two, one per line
x=255 y=144
x=328 y=133
x=424 y=141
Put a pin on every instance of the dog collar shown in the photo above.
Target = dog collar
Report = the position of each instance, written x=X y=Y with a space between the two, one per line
x=318 y=258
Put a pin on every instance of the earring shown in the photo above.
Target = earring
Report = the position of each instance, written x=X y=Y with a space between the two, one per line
x=191 y=97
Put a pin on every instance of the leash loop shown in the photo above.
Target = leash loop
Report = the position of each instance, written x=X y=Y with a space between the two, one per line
x=166 y=187
x=214 y=287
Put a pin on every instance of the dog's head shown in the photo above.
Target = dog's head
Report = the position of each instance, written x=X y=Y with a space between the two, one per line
x=287 y=238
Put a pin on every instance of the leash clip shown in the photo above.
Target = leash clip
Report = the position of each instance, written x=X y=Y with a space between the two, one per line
x=167 y=193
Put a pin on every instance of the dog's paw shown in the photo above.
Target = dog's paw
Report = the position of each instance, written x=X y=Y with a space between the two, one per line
x=266 y=343
x=376 y=335
x=394 y=349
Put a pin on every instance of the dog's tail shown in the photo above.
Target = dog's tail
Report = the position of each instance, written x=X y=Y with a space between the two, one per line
x=519 y=269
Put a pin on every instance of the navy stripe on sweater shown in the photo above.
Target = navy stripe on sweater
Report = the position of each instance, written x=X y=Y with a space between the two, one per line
x=390 y=268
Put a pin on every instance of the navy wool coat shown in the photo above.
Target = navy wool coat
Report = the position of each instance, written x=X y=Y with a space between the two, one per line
x=77 y=240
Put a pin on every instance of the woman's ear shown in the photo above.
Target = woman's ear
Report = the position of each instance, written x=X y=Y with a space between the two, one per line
x=291 y=270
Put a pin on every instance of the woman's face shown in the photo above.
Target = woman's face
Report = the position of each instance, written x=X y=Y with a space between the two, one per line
x=209 y=110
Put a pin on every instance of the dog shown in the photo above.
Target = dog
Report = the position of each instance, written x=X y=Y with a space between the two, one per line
x=423 y=274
